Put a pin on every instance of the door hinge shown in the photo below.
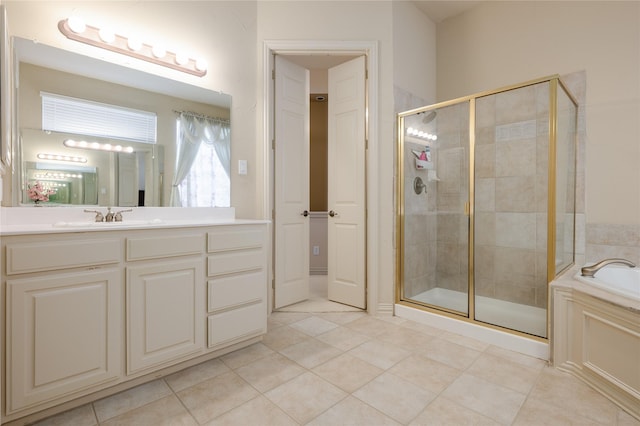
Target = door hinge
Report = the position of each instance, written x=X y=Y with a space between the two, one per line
x=273 y=215
x=273 y=283
x=273 y=144
x=273 y=74
x=366 y=144
x=366 y=74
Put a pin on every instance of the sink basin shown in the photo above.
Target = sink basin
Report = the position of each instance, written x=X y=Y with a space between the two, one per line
x=123 y=224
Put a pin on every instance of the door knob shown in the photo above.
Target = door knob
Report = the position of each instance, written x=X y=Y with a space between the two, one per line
x=332 y=213
x=305 y=213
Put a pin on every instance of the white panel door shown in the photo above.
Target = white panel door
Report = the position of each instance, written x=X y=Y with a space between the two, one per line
x=346 y=183
x=291 y=183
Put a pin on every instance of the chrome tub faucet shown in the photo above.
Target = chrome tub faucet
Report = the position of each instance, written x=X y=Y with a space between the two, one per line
x=589 y=271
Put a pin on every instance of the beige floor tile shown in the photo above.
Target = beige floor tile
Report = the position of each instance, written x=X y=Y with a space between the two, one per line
x=408 y=339
x=81 y=416
x=269 y=372
x=371 y=326
x=305 y=397
x=216 y=396
x=313 y=326
x=465 y=341
x=283 y=337
x=347 y=372
x=196 y=374
x=246 y=355
x=422 y=328
x=553 y=387
x=131 y=399
x=516 y=357
x=443 y=412
x=425 y=373
x=341 y=318
x=395 y=397
x=289 y=317
x=500 y=371
x=452 y=354
x=164 y=412
x=258 y=411
x=310 y=353
x=353 y=412
x=491 y=400
x=343 y=338
x=537 y=412
x=381 y=354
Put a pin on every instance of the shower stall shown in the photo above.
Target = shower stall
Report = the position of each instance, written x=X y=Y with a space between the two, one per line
x=486 y=204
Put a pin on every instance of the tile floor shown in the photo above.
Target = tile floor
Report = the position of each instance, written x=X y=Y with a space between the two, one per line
x=350 y=368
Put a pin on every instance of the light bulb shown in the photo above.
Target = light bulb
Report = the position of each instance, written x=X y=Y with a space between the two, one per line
x=181 y=59
x=134 y=44
x=106 y=35
x=201 y=64
x=76 y=24
x=159 y=51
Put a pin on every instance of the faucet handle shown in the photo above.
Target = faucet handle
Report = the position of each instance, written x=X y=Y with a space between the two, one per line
x=99 y=217
x=118 y=215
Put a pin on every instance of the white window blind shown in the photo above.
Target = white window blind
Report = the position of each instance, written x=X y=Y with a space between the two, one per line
x=73 y=115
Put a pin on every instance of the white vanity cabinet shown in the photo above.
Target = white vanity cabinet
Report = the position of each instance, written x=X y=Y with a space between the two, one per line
x=236 y=290
x=63 y=318
x=91 y=313
x=165 y=299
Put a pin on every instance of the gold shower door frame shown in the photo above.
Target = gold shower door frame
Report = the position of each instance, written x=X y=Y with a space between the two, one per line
x=554 y=81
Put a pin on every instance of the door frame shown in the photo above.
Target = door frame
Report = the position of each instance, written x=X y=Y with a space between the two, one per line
x=315 y=47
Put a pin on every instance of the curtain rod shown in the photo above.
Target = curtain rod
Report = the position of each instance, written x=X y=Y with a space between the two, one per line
x=198 y=115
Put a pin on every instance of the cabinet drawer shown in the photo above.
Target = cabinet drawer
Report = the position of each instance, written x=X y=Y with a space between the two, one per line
x=229 y=291
x=55 y=255
x=235 y=238
x=234 y=326
x=164 y=246
x=231 y=262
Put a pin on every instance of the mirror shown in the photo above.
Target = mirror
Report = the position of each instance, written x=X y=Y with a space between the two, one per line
x=141 y=178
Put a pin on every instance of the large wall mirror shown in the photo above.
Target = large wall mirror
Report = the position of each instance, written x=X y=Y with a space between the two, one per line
x=79 y=175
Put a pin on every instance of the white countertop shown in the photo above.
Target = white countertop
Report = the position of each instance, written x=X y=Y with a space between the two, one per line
x=46 y=220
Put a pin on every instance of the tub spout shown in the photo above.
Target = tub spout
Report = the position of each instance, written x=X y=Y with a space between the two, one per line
x=589 y=271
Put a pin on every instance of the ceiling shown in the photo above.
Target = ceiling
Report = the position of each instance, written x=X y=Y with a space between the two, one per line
x=438 y=11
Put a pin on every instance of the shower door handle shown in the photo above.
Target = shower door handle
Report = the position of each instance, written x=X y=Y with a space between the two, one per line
x=332 y=213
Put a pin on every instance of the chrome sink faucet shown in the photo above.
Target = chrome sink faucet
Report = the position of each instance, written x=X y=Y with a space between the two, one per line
x=589 y=271
x=110 y=216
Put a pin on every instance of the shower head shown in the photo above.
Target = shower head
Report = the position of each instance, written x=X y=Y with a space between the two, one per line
x=429 y=117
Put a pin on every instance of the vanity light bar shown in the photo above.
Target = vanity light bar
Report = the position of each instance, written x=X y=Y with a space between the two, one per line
x=70 y=143
x=421 y=134
x=57 y=175
x=59 y=157
x=74 y=28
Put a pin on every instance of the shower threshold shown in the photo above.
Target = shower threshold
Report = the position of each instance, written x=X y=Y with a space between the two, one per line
x=515 y=316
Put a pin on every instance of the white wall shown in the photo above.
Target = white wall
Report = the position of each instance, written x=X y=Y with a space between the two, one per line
x=501 y=43
x=414 y=51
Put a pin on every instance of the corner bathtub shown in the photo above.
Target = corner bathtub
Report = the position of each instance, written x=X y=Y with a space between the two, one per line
x=596 y=331
x=616 y=279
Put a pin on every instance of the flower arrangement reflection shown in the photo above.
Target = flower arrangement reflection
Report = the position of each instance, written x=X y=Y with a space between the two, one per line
x=39 y=193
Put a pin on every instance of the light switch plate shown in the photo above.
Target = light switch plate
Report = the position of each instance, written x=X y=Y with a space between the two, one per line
x=242 y=167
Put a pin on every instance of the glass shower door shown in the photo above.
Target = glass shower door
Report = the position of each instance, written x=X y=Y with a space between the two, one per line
x=436 y=192
x=510 y=214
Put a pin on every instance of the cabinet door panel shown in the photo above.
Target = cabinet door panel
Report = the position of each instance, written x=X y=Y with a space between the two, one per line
x=165 y=311
x=64 y=334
